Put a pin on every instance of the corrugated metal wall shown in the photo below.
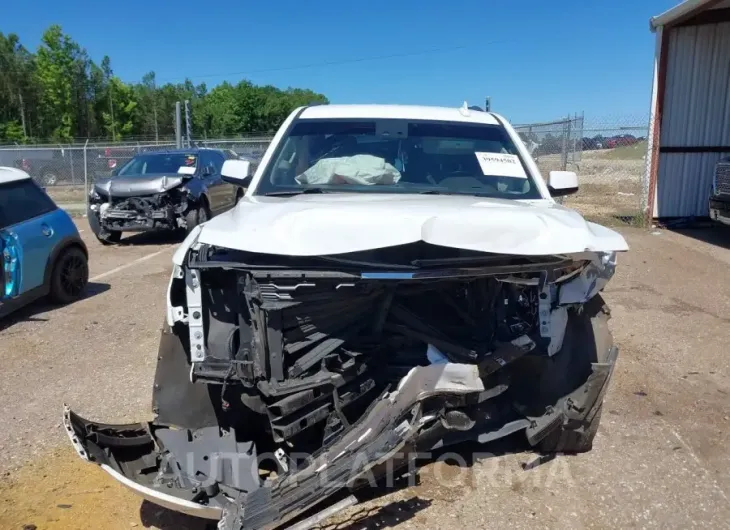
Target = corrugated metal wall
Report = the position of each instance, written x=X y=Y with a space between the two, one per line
x=696 y=113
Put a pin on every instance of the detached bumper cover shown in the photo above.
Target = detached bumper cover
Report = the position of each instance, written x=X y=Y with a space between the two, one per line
x=392 y=422
x=393 y=425
x=81 y=432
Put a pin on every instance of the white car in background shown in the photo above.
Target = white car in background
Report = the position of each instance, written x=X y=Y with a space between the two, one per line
x=395 y=278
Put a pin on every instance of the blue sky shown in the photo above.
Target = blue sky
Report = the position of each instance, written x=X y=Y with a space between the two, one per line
x=538 y=60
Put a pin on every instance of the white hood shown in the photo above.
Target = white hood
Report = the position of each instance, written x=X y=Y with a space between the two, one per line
x=337 y=223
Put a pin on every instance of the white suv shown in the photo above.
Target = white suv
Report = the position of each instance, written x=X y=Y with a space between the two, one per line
x=395 y=278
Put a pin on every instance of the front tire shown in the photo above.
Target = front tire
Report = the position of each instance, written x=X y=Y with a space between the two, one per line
x=195 y=217
x=70 y=276
x=49 y=178
x=569 y=387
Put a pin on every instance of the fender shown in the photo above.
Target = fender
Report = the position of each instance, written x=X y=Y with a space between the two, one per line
x=66 y=242
x=197 y=191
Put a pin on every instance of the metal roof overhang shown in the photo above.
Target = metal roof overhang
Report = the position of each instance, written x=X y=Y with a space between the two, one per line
x=681 y=12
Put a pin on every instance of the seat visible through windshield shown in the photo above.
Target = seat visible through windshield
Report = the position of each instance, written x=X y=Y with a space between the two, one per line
x=397 y=156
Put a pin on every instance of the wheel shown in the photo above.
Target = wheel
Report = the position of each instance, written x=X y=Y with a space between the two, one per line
x=70 y=276
x=196 y=217
x=567 y=383
x=49 y=178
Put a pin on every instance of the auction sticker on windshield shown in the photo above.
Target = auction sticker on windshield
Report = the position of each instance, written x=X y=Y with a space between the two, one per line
x=501 y=165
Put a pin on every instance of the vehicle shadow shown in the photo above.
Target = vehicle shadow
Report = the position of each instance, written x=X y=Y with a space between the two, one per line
x=153 y=238
x=155 y=516
x=31 y=312
x=717 y=235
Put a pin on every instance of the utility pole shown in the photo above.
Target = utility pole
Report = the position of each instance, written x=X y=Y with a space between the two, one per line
x=157 y=131
x=154 y=110
x=188 y=125
x=22 y=113
x=111 y=110
x=178 y=126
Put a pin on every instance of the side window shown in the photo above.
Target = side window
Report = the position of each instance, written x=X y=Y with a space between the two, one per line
x=217 y=160
x=22 y=200
x=203 y=162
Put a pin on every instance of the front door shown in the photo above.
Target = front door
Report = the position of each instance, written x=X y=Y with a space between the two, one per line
x=207 y=175
x=227 y=191
x=219 y=192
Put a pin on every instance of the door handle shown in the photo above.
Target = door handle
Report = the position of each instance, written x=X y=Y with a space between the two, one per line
x=46 y=230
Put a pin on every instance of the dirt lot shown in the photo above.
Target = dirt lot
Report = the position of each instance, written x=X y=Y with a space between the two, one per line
x=610 y=182
x=660 y=458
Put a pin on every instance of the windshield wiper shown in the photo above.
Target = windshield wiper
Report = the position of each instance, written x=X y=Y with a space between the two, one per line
x=290 y=193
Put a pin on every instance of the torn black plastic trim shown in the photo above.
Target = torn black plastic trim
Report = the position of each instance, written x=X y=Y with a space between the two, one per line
x=391 y=423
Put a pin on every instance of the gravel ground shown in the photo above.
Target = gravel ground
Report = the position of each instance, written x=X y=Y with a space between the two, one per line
x=609 y=186
x=659 y=460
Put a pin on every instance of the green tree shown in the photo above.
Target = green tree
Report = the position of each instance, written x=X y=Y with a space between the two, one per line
x=146 y=93
x=58 y=93
x=120 y=120
x=12 y=132
x=17 y=91
x=56 y=64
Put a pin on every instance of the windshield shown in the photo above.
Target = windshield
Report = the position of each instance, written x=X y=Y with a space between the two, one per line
x=160 y=163
x=398 y=156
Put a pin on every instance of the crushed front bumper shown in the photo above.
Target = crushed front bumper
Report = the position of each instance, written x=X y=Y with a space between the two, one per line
x=720 y=208
x=94 y=442
x=397 y=423
x=138 y=214
x=134 y=455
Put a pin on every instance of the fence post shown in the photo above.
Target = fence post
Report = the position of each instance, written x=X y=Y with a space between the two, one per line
x=571 y=143
x=564 y=152
x=86 y=178
x=71 y=162
x=178 y=126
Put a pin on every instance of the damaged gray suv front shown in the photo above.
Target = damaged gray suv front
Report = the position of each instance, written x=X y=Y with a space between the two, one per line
x=396 y=279
x=166 y=190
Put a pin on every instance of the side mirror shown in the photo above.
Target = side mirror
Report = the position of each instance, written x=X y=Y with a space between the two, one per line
x=237 y=172
x=561 y=183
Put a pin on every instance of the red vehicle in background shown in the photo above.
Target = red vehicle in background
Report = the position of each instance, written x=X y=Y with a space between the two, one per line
x=621 y=140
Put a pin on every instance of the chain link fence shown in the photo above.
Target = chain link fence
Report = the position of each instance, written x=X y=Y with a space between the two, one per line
x=560 y=141
x=608 y=155
x=612 y=169
x=68 y=171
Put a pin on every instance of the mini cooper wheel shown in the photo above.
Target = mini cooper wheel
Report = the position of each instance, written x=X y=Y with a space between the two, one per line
x=70 y=276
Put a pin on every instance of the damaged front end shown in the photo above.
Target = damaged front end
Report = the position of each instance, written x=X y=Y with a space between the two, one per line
x=282 y=380
x=142 y=205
